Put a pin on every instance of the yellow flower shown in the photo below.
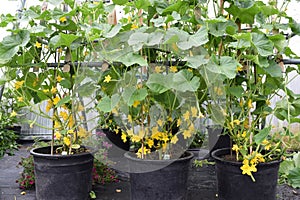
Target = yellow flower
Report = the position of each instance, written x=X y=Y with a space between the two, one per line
x=173 y=69
x=260 y=157
x=187 y=134
x=63 y=19
x=241 y=103
x=56 y=100
x=244 y=134
x=129 y=118
x=130 y=132
x=49 y=105
x=128 y=19
x=20 y=99
x=158 y=69
x=80 y=107
x=13 y=114
x=239 y=68
x=247 y=169
x=218 y=91
x=178 y=122
x=67 y=141
x=115 y=111
x=136 y=138
x=194 y=111
x=38 y=45
x=150 y=143
x=53 y=90
x=107 y=79
x=124 y=137
x=57 y=135
x=186 y=115
x=45 y=90
x=134 y=26
x=236 y=121
x=64 y=115
x=19 y=84
x=159 y=122
x=142 y=151
x=82 y=133
x=174 y=139
x=235 y=147
x=250 y=104
x=228 y=17
x=58 y=78
x=57 y=125
x=136 y=103
x=165 y=137
x=267 y=144
x=70 y=131
x=71 y=122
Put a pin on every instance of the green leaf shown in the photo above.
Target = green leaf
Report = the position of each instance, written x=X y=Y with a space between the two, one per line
x=114 y=31
x=245 y=14
x=159 y=83
x=188 y=41
x=294 y=178
x=228 y=66
x=154 y=38
x=63 y=101
x=63 y=40
x=273 y=69
x=142 y=4
x=184 y=81
x=10 y=45
x=68 y=26
x=263 y=45
x=196 y=61
x=262 y=135
x=107 y=104
x=279 y=41
x=236 y=91
x=286 y=166
x=296 y=159
x=216 y=114
x=130 y=59
x=137 y=40
x=65 y=83
x=55 y=2
x=218 y=28
x=173 y=7
x=85 y=90
x=132 y=94
x=120 y=2
x=243 y=41
x=199 y=38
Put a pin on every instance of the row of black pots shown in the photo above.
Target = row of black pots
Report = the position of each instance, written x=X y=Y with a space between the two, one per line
x=69 y=177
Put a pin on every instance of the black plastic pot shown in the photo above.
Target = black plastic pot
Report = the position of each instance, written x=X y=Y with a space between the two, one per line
x=216 y=138
x=62 y=177
x=116 y=139
x=233 y=185
x=167 y=181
